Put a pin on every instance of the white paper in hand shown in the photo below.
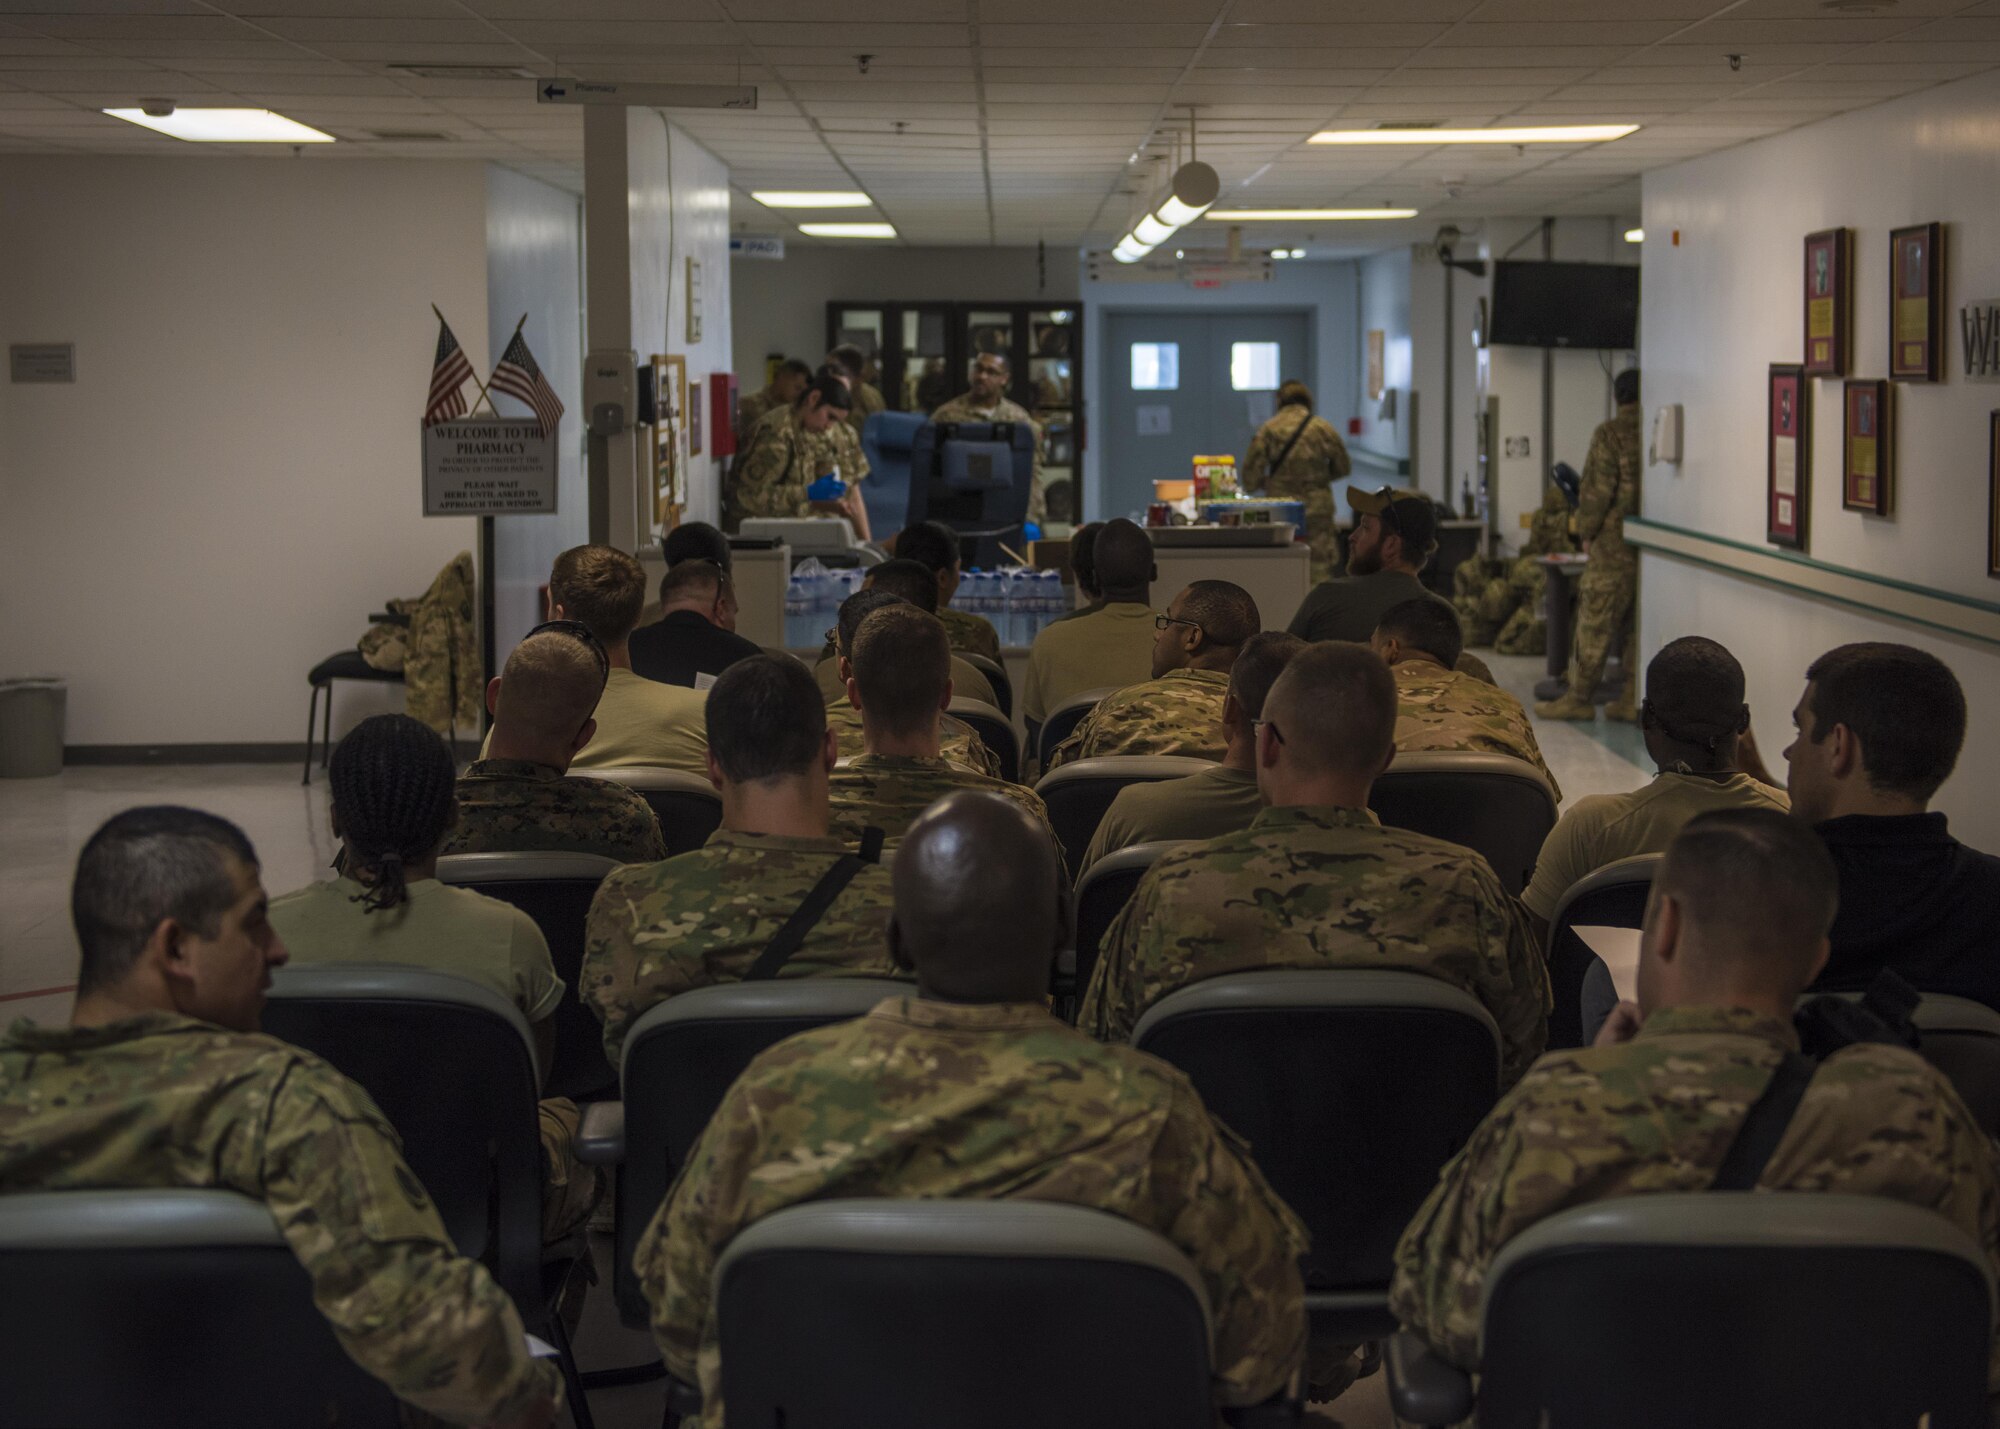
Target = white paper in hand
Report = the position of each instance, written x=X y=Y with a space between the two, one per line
x=539 y=1348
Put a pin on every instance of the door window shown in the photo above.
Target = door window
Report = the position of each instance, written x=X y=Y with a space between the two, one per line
x=1156 y=366
x=1253 y=366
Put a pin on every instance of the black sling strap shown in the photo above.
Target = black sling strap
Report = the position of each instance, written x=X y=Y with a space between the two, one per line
x=806 y=916
x=1286 y=450
x=1757 y=1139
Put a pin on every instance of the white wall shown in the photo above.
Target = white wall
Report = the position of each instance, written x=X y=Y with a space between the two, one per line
x=534 y=265
x=232 y=484
x=1385 y=307
x=1725 y=303
x=1326 y=291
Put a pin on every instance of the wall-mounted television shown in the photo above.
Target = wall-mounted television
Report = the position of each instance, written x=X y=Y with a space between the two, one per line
x=1589 y=305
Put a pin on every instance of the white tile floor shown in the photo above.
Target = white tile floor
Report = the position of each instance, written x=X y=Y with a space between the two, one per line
x=43 y=823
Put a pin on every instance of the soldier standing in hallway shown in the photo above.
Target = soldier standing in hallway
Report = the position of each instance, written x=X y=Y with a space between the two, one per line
x=867 y=396
x=1298 y=456
x=987 y=401
x=1607 y=592
x=786 y=383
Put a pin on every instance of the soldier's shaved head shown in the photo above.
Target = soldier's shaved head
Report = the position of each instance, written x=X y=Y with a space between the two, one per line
x=1123 y=557
x=981 y=909
x=548 y=688
x=1333 y=711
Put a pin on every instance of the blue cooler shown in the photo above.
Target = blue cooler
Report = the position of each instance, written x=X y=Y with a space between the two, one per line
x=1254 y=511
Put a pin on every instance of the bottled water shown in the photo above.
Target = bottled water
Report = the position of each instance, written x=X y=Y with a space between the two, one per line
x=798 y=612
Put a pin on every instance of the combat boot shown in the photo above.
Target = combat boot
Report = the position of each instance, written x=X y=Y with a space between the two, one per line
x=1625 y=708
x=1567 y=707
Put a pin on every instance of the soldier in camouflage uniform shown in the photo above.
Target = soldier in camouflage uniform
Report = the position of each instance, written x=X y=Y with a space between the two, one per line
x=971 y=1090
x=658 y=929
x=1439 y=707
x=987 y=401
x=867 y=397
x=1179 y=710
x=1609 y=586
x=1316 y=882
x=781 y=391
x=1297 y=456
x=957 y=741
x=901 y=672
x=162 y=1081
x=1736 y=929
x=516 y=800
x=787 y=451
x=1499 y=602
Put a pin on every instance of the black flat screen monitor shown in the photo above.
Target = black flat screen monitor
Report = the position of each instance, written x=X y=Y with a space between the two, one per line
x=1592 y=305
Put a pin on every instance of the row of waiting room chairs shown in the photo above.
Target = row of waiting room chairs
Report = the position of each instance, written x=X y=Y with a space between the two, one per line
x=1360 y=1085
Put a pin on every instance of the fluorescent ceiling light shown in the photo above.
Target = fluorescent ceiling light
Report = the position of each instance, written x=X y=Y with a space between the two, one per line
x=1635 y=235
x=225 y=126
x=848 y=230
x=811 y=198
x=1541 y=134
x=1241 y=215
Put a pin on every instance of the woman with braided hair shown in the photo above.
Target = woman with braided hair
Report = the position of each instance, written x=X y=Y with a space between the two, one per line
x=392 y=779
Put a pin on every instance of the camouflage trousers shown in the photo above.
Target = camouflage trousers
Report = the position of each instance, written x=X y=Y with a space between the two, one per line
x=1319 y=533
x=570 y=1189
x=1606 y=609
x=1499 y=603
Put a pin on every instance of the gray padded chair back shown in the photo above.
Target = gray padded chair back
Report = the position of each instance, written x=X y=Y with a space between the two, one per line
x=1961 y=1038
x=1727 y=1308
x=995 y=729
x=688 y=806
x=1079 y=793
x=1495 y=805
x=174 y=1309
x=1613 y=896
x=1064 y=719
x=1101 y=894
x=996 y=676
x=677 y=1062
x=555 y=889
x=1353 y=1088
x=451 y=1064
x=908 y=1314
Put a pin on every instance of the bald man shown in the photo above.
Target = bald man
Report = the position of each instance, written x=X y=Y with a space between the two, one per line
x=1316 y=882
x=514 y=799
x=1179 y=710
x=1108 y=648
x=970 y=1089
x=1736 y=927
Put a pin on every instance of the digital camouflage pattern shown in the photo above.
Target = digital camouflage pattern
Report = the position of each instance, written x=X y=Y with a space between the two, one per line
x=888 y=791
x=963 y=408
x=1607 y=494
x=1316 y=460
x=1499 y=602
x=972 y=634
x=160 y=1100
x=1323 y=887
x=515 y=806
x=1439 y=709
x=958 y=741
x=657 y=929
x=998 y=1102
x=1658 y=1114
x=1179 y=713
x=770 y=478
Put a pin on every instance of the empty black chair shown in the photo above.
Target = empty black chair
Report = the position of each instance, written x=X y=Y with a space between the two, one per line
x=1725 y=1309
x=1353 y=1088
x=688 y=806
x=1613 y=896
x=677 y=1062
x=996 y=676
x=1493 y=804
x=1079 y=793
x=1105 y=888
x=914 y=1314
x=173 y=1309
x=995 y=730
x=1064 y=719
x=555 y=890
x=341 y=665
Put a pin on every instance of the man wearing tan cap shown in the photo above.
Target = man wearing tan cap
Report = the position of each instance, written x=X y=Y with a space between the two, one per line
x=1395 y=533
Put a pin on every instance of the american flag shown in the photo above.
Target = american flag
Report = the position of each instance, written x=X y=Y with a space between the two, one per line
x=519 y=377
x=448 y=378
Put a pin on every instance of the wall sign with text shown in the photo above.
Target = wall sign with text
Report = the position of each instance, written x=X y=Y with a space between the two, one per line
x=499 y=466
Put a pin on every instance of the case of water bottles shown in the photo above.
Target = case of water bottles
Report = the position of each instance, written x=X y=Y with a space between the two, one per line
x=1018 y=602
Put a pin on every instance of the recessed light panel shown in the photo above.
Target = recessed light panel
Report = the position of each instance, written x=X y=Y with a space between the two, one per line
x=225 y=126
x=848 y=230
x=1540 y=134
x=812 y=198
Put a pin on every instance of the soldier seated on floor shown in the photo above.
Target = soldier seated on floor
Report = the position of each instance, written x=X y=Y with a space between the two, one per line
x=162 y=1080
x=970 y=1088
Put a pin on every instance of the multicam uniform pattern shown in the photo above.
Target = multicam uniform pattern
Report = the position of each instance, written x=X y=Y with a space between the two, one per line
x=929 y=1099
x=1499 y=602
x=658 y=929
x=771 y=476
x=1607 y=494
x=972 y=634
x=867 y=402
x=1179 y=713
x=1315 y=461
x=888 y=791
x=964 y=408
x=958 y=741
x=515 y=806
x=160 y=1100
x=1658 y=1114
x=1323 y=887
x=1439 y=709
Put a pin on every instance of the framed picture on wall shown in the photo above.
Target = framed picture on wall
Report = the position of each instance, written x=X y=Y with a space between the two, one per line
x=694 y=418
x=1829 y=302
x=1868 y=447
x=1993 y=495
x=1916 y=303
x=1788 y=465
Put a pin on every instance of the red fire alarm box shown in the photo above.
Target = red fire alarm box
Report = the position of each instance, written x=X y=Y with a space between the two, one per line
x=722 y=414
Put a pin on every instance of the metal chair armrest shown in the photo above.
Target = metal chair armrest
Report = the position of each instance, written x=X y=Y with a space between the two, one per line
x=1424 y=1389
x=600 y=1140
